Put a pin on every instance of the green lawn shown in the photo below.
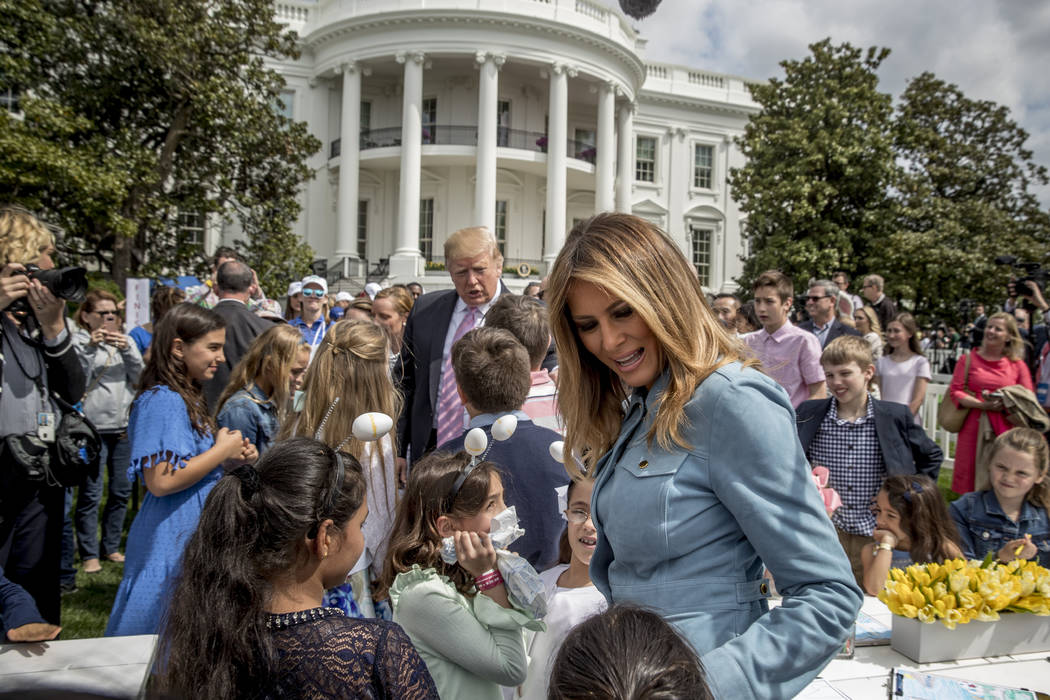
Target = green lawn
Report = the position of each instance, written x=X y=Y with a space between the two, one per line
x=84 y=613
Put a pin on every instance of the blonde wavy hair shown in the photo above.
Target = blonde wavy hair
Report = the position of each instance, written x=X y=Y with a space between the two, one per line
x=270 y=355
x=23 y=238
x=1014 y=342
x=352 y=363
x=640 y=264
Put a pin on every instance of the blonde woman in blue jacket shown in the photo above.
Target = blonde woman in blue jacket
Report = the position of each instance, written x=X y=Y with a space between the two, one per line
x=700 y=478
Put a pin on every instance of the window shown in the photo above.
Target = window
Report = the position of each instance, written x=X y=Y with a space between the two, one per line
x=285 y=104
x=583 y=145
x=366 y=116
x=426 y=228
x=645 y=159
x=429 y=117
x=701 y=253
x=703 y=166
x=503 y=123
x=362 y=227
x=191 y=228
x=501 y=225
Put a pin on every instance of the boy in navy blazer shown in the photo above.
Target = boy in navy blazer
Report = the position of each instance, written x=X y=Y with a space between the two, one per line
x=493 y=376
x=861 y=441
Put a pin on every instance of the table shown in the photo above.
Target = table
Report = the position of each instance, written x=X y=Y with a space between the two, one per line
x=866 y=675
x=111 y=665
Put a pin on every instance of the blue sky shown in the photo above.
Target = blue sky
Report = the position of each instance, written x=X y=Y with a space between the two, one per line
x=992 y=49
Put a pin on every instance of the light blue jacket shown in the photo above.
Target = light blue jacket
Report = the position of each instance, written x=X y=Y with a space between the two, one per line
x=686 y=532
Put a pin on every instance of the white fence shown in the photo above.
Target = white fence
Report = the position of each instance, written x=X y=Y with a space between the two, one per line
x=936 y=390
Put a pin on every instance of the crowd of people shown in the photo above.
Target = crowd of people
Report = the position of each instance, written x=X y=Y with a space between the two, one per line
x=470 y=493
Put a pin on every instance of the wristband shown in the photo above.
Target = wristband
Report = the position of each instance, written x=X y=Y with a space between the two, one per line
x=487 y=580
x=883 y=545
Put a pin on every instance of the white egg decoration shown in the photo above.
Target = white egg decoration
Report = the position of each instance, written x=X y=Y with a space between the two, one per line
x=475 y=442
x=371 y=426
x=504 y=427
x=557 y=450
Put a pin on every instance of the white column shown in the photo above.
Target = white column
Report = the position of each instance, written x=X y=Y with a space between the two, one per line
x=557 y=138
x=405 y=261
x=625 y=158
x=604 y=168
x=485 y=166
x=349 y=164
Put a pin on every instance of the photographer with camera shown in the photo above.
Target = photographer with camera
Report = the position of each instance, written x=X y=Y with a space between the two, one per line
x=36 y=358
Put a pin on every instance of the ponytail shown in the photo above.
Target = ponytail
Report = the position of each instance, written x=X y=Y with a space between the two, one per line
x=252 y=531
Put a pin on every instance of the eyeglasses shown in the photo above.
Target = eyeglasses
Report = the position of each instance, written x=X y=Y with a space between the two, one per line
x=313 y=293
x=577 y=516
x=107 y=314
x=816 y=299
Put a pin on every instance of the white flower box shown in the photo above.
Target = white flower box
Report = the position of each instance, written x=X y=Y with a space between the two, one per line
x=1013 y=633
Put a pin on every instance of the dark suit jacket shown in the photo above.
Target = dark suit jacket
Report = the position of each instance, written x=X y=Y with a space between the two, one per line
x=905 y=447
x=418 y=369
x=837 y=328
x=242 y=327
x=530 y=476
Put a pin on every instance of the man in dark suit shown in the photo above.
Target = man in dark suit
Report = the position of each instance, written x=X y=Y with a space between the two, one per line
x=233 y=281
x=821 y=305
x=884 y=307
x=475 y=264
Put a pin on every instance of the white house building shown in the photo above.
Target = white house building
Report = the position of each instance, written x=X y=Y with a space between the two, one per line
x=521 y=115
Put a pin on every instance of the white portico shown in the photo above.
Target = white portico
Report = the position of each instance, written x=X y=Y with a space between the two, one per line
x=521 y=116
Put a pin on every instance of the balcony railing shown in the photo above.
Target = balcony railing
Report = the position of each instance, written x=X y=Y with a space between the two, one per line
x=453 y=135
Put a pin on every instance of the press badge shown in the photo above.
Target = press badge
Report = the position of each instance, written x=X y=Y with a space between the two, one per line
x=45 y=426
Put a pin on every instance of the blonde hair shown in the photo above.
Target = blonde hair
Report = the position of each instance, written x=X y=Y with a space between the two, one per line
x=846 y=349
x=1032 y=443
x=399 y=296
x=873 y=318
x=1014 y=342
x=352 y=363
x=472 y=242
x=22 y=237
x=272 y=355
x=662 y=288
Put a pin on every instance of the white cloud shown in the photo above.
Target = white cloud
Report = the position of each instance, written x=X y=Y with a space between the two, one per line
x=992 y=49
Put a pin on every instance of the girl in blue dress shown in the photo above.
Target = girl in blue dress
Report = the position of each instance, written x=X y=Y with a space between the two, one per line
x=176 y=452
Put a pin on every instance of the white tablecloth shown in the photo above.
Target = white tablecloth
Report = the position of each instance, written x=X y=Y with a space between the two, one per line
x=867 y=674
x=116 y=666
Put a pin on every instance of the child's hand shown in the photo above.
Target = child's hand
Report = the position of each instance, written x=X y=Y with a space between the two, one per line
x=230 y=443
x=249 y=453
x=475 y=552
x=885 y=537
x=1027 y=548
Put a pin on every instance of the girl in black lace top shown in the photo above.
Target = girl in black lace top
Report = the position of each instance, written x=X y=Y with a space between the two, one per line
x=246 y=620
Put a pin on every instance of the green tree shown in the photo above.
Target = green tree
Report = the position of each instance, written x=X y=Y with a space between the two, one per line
x=138 y=110
x=819 y=165
x=964 y=197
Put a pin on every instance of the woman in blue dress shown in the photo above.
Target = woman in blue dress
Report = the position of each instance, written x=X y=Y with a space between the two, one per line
x=179 y=457
x=700 y=478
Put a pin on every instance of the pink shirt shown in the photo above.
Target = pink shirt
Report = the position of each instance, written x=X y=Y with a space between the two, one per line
x=541 y=405
x=791 y=356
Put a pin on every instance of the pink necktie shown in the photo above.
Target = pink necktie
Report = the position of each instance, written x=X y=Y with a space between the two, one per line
x=449 y=407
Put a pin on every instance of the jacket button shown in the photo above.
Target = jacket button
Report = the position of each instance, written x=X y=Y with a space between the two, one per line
x=986 y=534
x=643 y=464
x=764 y=588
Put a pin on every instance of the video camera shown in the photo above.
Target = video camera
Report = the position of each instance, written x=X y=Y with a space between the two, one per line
x=69 y=283
x=1029 y=272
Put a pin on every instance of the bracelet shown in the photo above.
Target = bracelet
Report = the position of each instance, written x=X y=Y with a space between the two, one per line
x=487 y=580
x=882 y=545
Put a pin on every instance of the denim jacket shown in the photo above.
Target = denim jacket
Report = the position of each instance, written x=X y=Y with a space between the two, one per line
x=984 y=527
x=687 y=532
x=253 y=414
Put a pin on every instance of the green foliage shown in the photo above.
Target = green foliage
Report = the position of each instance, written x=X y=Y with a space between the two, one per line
x=963 y=197
x=926 y=196
x=819 y=165
x=141 y=109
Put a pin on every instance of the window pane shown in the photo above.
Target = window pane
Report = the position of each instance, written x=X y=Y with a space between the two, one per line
x=429 y=117
x=703 y=166
x=362 y=227
x=191 y=228
x=366 y=116
x=702 y=254
x=645 y=159
x=501 y=225
x=426 y=228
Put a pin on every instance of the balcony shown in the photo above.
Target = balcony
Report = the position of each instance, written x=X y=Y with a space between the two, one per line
x=453 y=135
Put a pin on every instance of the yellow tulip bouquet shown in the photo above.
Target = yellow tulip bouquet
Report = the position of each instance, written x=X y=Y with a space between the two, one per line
x=959 y=591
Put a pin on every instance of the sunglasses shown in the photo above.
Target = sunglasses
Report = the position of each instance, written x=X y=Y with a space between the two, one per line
x=313 y=293
x=817 y=298
x=107 y=314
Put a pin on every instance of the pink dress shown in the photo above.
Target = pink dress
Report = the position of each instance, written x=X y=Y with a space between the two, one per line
x=984 y=374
